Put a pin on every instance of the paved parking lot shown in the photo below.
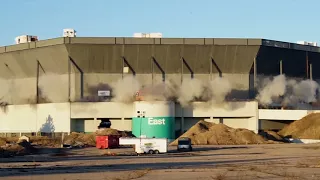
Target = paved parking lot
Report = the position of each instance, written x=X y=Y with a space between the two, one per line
x=272 y=161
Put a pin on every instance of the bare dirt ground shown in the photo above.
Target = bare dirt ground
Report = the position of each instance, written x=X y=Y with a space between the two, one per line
x=268 y=161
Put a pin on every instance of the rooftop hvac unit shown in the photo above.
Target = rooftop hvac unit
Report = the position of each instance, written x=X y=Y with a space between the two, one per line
x=69 y=33
x=313 y=44
x=307 y=43
x=302 y=42
x=26 y=39
x=147 y=35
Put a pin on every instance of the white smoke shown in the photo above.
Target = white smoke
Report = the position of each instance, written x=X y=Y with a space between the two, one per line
x=53 y=87
x=304 y=91
x=288 y=91
x=212 y=92
x=219 y=87
x=272 y=89
x=190 y=90
x=124 y=90
x=171 y=90
x=5 y=91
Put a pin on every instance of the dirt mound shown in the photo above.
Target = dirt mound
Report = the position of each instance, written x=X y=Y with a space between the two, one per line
x=204 y=133
x=126 y=134
x=85 y=140
x=14 y=149
x=45 y=141
x=306 y=128
x=107 y=132
x=3 y=142
x=11 y=139
x=80 y=139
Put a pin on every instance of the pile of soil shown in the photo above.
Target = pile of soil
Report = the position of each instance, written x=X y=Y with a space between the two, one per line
x=3 y=142
x=14 y=149
x=42 y=141
x=107 y=132
x=89 y=140
x=11 y=140
x=11 y=150
x=206 y=133
x=45 y=141
x=80 y=139
x=110 y=131
x=306 y=128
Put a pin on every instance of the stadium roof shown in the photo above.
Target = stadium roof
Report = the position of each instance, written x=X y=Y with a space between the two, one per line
x=157 y=41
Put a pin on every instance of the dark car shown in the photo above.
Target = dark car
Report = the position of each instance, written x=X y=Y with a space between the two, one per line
x=184 y=144
x=105 y=123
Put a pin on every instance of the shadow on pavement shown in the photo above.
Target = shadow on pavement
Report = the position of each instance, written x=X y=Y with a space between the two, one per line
x=38 y=170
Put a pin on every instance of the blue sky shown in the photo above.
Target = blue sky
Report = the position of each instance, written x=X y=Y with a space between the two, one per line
x=285 y=20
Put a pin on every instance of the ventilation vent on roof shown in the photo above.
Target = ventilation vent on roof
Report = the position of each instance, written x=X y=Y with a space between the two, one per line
x=26 y=39
x=69 y=33
x=147 y=35
x=307 y=43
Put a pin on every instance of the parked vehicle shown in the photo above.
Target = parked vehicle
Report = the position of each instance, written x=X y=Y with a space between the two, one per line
x=147 y=145
x=184 y=144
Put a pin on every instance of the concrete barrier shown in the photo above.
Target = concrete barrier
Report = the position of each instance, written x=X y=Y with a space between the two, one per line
x=304 y=141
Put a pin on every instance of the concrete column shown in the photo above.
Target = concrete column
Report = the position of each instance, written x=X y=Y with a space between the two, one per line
x=210 y=62
x=307 y=64
x=281 y=71
x=255 y=73
x=253 y=122
x=311 y=78
x=182 y=121
x=182 y=109
x=95 y=120
x=122 y=121
x=221 y=120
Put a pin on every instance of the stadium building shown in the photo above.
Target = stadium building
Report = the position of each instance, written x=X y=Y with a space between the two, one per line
x=64 y=84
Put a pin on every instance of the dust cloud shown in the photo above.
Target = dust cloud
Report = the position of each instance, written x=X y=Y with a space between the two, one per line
x=124 y=90
x=287 y=91
x=190 y=90
x=219 y=88
x=272 y=89
x=53 y=88
x=17 y=91
x=5 y=90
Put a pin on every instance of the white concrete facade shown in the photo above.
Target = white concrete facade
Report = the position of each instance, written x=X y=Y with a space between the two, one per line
x=276 y=119
x=282 y=114
x=84 y=117
x=53 y=117
x=67 y=117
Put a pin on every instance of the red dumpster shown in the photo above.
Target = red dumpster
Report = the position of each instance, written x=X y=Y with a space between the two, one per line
x=104 y=142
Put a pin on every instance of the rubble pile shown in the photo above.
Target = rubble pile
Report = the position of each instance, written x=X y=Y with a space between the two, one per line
x=21 y=147
x=306 y=128
x=89 y=140
x=207 y=133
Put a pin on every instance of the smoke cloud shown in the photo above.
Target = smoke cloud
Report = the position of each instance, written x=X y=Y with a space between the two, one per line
x=287 y=91
x=190 y=90
x=124 y=90
x=219 y=87
x=303 y=91
x=213 y=92
x=53 y=88
x=272 y=89
x=5 y=90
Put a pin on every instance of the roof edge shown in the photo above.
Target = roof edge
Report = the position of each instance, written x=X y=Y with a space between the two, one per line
x=166 y=41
